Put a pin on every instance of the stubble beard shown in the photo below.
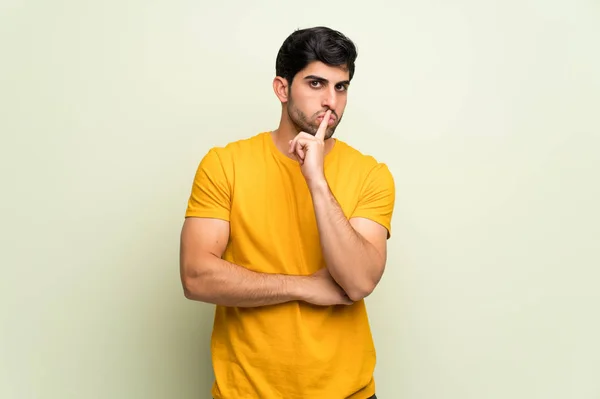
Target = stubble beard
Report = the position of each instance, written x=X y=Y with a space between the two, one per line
x=302 y=122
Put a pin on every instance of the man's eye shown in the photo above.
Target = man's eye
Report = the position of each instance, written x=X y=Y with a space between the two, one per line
x=341 y=87
x=315 y=83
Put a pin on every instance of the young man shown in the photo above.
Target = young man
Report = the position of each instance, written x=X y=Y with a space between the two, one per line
x=286 y=233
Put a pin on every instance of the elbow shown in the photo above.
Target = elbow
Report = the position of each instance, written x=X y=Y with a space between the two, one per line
x=358 y=289
x=192 y=282
x=190 y=288
x=362 y=287
x=360 y=292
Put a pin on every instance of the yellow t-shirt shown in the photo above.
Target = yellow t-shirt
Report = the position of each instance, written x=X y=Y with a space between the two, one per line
x=293 y=350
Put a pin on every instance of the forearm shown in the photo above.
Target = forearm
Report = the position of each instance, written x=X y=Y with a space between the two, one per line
x=223 y=283
x=352 y=261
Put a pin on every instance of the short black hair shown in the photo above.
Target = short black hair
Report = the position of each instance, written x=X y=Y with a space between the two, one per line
x=314 y=44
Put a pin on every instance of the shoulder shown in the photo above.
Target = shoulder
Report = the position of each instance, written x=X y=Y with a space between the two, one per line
x=366 y=164
x=241 y=145
x=349 y=153
x=235 y=150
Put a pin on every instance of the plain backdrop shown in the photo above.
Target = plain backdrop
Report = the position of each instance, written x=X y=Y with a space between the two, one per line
x=486 y=112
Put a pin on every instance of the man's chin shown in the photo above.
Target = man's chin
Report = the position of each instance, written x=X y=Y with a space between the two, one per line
x=328 y=133
x=313 y=128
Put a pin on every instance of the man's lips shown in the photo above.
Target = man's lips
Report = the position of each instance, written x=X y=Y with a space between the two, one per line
x=330 y=122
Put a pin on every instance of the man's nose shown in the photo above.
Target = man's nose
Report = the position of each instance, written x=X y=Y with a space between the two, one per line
x=330 y=99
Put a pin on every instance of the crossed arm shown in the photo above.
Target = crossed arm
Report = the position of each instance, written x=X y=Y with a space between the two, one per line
x=355 y=250
x=206 y=277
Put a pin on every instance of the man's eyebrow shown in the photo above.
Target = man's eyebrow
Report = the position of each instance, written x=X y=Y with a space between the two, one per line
x=321 y=79
x=315 y=77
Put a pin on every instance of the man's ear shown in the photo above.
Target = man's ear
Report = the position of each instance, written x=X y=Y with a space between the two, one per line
x=281 y=88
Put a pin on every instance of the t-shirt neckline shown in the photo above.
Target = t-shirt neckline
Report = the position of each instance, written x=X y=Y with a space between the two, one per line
x=284 y=158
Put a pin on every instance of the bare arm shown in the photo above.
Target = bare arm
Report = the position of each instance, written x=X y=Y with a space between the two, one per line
x=355 y=250
x=208 y=278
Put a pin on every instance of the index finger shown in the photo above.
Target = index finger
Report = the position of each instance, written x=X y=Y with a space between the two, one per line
x=323 y=126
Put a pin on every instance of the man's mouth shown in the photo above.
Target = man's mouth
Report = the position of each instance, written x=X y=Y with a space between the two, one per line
x=332 y=119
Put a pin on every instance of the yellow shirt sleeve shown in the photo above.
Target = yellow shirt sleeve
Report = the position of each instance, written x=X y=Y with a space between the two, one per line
x=377 y=197
x=211 y=193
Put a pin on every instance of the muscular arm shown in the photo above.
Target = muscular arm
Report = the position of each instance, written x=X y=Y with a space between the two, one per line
x=354 y=250
x=208 y=278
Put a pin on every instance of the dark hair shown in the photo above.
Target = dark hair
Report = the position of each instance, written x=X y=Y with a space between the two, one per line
x=314 y=44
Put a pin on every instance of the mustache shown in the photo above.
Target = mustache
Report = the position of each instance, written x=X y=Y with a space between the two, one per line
x=323 y=113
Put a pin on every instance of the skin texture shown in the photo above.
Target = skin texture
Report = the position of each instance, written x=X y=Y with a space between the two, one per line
x=354 y=250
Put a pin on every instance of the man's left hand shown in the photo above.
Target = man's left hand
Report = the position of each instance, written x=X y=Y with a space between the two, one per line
x=309 y=151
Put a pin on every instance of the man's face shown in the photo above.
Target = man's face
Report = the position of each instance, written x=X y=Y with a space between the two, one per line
x=314 y=90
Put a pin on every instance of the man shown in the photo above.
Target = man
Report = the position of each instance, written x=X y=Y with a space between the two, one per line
x=286 y=233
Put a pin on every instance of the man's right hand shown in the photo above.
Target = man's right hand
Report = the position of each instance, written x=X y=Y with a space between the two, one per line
x=322 y=290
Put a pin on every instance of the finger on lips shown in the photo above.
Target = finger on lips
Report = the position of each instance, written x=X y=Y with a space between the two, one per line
x=296 y=145
x=323 y=126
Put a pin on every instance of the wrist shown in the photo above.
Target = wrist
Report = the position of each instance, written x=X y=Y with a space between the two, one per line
x=298 y=287
x=318 y=186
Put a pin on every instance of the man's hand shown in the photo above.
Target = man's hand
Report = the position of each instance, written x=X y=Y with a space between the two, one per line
x=322 y=290
x=309 y=151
